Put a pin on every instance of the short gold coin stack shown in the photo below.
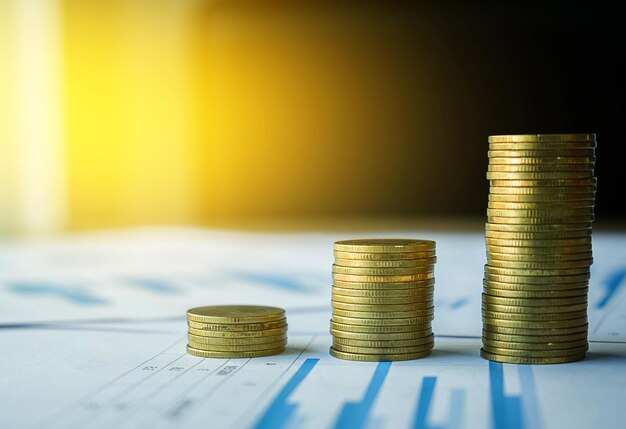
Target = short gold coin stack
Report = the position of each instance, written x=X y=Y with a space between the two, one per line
x=382 y=299
x=539 y=255
x=236 y=331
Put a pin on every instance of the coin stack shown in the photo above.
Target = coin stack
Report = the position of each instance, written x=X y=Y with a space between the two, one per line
x=538 y=237
x=236 y=331
x=382 y=299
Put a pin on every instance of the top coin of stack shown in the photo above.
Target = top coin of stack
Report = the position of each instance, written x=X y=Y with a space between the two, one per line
x=236 y=331
x=538 y=237
x=382 y=299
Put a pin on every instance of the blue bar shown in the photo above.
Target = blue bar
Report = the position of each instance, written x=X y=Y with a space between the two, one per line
x=153 y=285
x=457 y=399
x=506 y=411
x=75 y=295
x=275 y=281
x=612 y=285
x=354 y=414
x=279 y=411
x=424 y=405
x=531 y=404
x=424 y=402
x=459 y=303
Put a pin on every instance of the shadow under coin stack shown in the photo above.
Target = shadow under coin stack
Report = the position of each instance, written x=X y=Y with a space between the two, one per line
x=236 y=331
x=382 y=299
x=538 y=236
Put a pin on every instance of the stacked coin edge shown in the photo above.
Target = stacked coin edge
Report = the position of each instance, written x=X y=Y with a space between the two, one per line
x=382 y=299
x=236 y=331
x=539 y=253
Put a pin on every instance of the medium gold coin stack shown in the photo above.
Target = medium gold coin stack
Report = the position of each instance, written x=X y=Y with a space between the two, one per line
x=538 y=237
x=236 y=331
x=382 y=299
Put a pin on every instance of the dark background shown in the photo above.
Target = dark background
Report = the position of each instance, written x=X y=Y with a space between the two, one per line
x=421 y=85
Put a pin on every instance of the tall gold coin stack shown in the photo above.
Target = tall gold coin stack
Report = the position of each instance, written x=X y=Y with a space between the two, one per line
x=236 y=331
x=538 y=237
x=382 y=299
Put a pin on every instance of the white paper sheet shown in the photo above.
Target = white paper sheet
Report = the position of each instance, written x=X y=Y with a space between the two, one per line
x=93 y=335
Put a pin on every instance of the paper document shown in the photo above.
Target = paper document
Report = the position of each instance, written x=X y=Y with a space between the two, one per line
x=93 y=332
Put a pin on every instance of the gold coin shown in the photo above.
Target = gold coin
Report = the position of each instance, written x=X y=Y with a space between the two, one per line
x=547 y=153
x=534 y=316
x=535 y=309
x=555 y=175
x=359 y=271
x=533 y=302
x=559 y=227
x=418 y=330
x=530 y=360
x=558 y=257
x=201 y=339
x=511 y=330
x=415 y=301
x=539 y=146
x=382 y=293
x=421 y=306
x=542 y=183
x=382 y=278
x=233 y=355
x=383 y=350
x=420 y=322
x=534 y=346
x=543 y=139
x=542 y=216
x=540 y=168
x=536 y=287
x=402 y=263
x=238 y=335
x=236 y=348
x=539 y=250
x=383 y=343
x=589 y=197
x=507 y=293
x=552 y=235
x=542 y=273
x=542 y=205
x=235 y=314
x=541 y=265
x=536 y=338
x=540 y=213
x=363 y=357
x=384 y=256
x=553 y=160
x=542 y=220
x=416 y=284
x=536 y=353
x=384 y=245
x=418 y=315
x=565 y=242
x=238 y=328
x=540 y=281
x=525 y=324
x=361 y=336
x=541 y=191
x=518 y=232
x=425 y=314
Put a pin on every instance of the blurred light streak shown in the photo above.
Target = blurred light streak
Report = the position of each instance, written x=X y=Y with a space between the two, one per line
x=33 y=184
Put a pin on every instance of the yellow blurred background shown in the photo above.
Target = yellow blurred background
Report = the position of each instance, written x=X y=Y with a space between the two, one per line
x=156 y=111
x=134 y=112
